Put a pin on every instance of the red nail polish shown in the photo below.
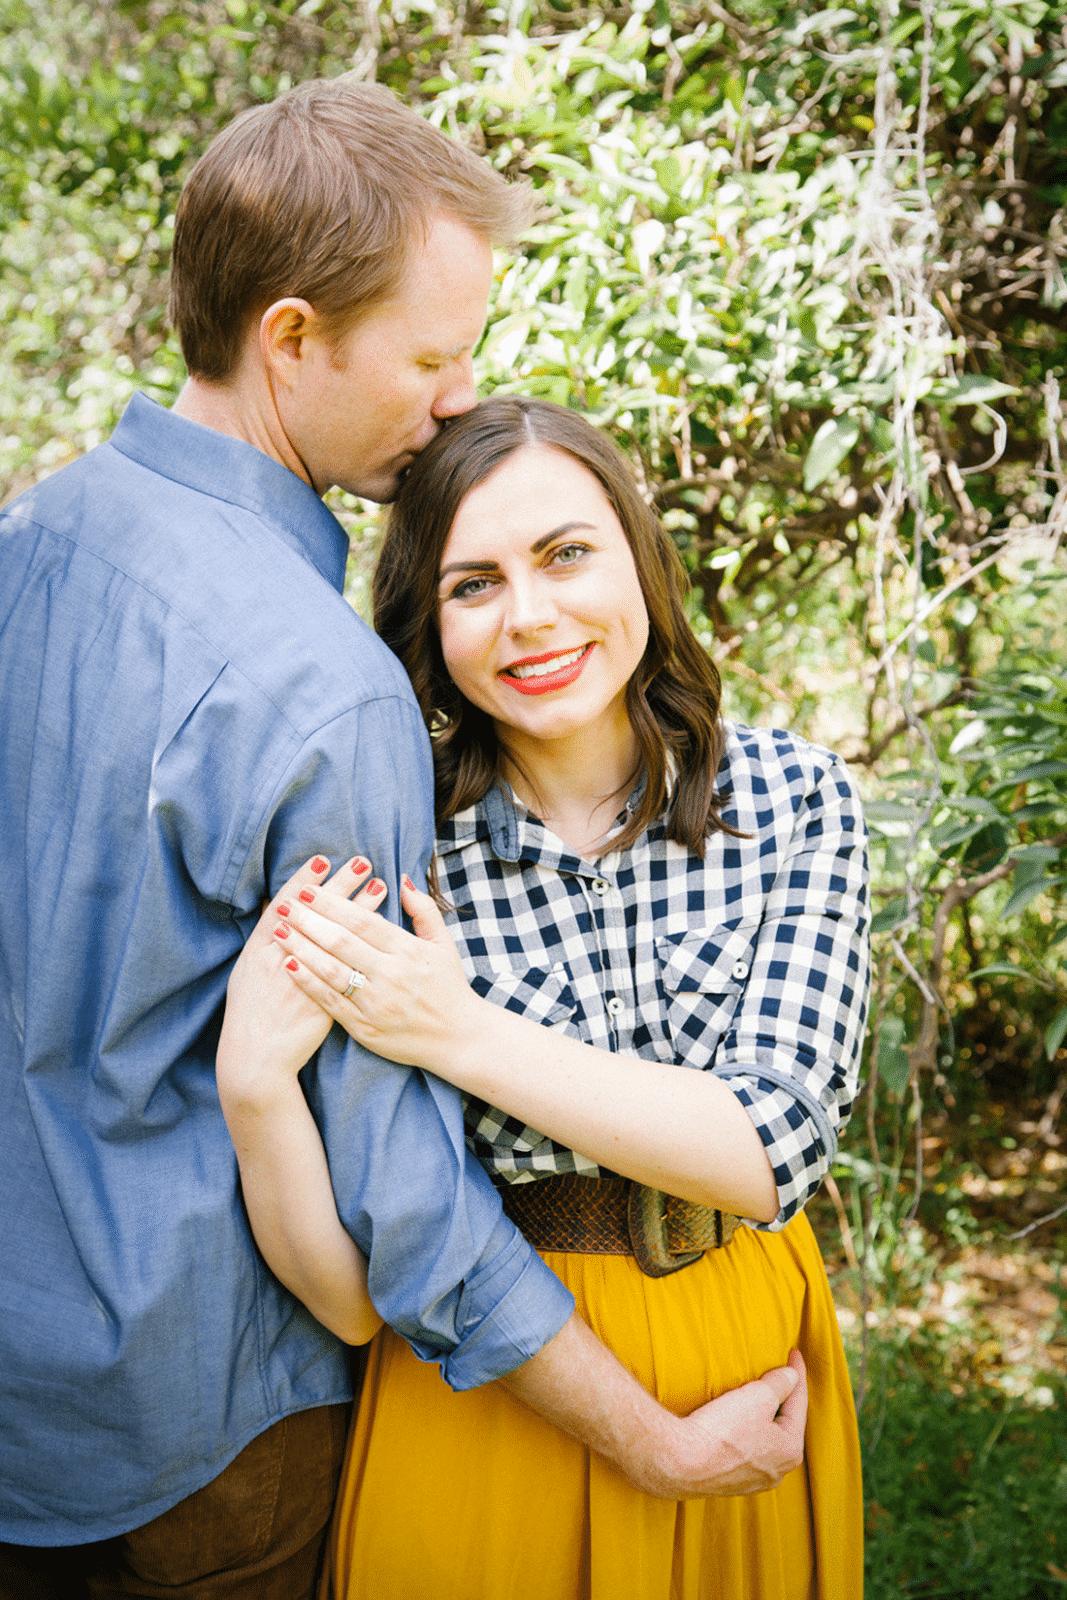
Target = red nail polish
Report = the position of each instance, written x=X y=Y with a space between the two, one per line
x=281 y=933
x=283 y=911
x=319 y=865
x=407 y=882
x=375 y=886
x=360 y=867
x=307 y=896
x=292 y=966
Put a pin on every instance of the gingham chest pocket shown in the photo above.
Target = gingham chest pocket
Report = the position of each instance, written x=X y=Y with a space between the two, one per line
x=703 y=973
x=541 y=993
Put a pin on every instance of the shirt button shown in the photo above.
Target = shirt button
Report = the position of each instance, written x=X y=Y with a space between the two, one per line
x=615 y=1005
x=739 y=969
x=601 y=885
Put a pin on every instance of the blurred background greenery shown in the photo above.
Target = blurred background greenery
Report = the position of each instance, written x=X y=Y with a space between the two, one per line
x=809 y=266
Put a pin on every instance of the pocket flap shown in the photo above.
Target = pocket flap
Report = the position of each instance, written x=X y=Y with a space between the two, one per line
x=713 y=960
x=535 y=992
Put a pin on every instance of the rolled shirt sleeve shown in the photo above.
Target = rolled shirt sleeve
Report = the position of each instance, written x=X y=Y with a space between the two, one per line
x=792 y=1051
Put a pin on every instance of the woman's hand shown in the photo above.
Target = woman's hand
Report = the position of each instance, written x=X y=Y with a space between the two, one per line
x=406 y=992
x=270 y=1029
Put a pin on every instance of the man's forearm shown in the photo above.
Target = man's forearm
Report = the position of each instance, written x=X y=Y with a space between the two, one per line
x=741 y=1443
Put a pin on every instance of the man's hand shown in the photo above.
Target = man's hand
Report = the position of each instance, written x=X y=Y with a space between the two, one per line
x=741 y=1443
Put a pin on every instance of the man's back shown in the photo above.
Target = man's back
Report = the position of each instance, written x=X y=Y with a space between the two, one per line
x=167 y=658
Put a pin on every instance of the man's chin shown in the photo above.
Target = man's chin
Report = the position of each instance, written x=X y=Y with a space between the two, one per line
x=384 y=487
x=379 y=491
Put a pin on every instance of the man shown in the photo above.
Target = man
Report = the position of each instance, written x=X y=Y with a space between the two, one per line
x=190 y=706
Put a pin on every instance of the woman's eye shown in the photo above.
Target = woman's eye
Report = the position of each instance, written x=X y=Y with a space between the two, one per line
x=470 y=588
x=567 y=554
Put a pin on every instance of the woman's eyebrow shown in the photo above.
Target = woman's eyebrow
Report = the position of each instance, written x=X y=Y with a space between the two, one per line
x=564 y=527
x=489 y=565
x=466 y=566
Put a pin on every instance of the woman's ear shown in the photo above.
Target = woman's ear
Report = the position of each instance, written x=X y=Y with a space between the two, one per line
x=286 y=331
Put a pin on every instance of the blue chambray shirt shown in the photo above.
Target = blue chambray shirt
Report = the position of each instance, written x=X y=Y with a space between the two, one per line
x=190 y=709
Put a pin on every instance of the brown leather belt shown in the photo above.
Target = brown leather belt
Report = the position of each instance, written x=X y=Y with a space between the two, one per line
x=615 y=1217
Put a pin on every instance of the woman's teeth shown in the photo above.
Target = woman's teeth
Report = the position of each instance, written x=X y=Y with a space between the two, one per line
x=541 y=669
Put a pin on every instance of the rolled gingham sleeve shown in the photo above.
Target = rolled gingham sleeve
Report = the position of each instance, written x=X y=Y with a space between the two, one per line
x=792 y=1050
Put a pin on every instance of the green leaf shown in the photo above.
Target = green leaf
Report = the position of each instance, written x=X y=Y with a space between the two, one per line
x=1040 y=769
x=987 y=849
x=905 y=29
x=894 y=1068
x=1057 y=1031
x=669 y=174
x=1000 y=969
x=959 y=74
x=1021 y=896
x=891 y=915
x=829 y=448
x=735 y=91
x=970 y=390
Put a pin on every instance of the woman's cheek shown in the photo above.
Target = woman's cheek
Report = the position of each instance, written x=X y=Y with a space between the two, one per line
x=465 y=661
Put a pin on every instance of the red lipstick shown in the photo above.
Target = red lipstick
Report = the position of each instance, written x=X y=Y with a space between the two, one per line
x=546 y=683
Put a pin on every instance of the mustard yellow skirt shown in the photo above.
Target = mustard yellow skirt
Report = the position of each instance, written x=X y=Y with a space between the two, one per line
x=473 y=1497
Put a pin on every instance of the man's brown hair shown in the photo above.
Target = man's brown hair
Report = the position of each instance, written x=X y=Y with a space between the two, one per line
x=318 y=195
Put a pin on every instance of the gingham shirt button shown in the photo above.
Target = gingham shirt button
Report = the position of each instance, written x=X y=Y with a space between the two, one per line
x=615 y=1005
x=601 y=885
x=739 y=969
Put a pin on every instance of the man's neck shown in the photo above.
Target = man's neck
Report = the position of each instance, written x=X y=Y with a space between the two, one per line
x=235 y=409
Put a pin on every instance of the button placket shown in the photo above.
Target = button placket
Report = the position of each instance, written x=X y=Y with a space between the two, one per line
x=616 y=977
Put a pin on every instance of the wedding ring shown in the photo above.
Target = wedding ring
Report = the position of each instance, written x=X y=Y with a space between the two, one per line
x=356 y=981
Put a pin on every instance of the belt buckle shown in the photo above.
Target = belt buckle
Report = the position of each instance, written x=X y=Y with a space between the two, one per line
x=647 y=1225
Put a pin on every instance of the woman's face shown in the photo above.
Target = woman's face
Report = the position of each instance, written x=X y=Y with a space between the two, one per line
x=542 y=617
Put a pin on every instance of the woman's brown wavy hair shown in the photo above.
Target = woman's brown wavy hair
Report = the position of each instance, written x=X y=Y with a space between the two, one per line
x=672 y=699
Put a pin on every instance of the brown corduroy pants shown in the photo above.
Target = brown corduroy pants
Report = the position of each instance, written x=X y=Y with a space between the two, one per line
x=255 y=1531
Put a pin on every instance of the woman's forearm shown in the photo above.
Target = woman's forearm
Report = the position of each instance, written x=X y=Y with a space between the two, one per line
x=672 y=1127
x=291 y=1208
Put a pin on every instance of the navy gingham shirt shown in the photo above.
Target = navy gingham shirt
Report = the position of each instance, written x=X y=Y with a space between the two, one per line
x=753 y=963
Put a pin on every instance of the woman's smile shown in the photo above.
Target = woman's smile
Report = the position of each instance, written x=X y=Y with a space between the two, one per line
x=543 y=674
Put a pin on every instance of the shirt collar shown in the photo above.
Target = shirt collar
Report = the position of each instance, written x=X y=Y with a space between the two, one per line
x=514 y=833
x=237 y=473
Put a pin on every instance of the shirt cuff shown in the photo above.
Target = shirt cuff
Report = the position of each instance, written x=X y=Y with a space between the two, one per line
x=500 y=1327
x=797 y=1135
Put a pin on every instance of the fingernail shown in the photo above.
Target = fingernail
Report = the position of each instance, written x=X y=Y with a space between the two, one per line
x=407 y=882
x=283 y=911
x=281 y=933
x=359 y=867
x=319 y=865
x=307 y=896
x=292 y=966
x=376 y=886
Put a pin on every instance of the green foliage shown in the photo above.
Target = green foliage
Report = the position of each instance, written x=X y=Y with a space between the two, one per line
x=966 y=1494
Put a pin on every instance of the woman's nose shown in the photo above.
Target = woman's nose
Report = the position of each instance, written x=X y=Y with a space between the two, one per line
x=531 y=606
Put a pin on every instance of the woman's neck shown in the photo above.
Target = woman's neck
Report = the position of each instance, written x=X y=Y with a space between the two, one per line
x=575 y=786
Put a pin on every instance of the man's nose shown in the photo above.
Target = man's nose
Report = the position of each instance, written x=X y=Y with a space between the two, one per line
x=458 y=394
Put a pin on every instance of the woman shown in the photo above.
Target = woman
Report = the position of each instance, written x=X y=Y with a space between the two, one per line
x=637 y=892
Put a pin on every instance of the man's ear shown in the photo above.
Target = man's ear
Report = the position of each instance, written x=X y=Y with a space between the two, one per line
x=286 y=331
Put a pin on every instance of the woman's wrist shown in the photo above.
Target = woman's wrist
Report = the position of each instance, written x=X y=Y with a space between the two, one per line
x=253 y=1094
